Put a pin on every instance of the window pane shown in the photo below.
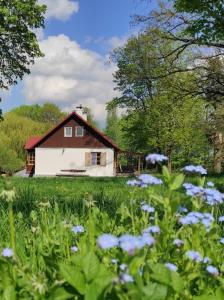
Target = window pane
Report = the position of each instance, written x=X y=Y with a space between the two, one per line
x=94 y=158
x=79 y=131
x=68 y=132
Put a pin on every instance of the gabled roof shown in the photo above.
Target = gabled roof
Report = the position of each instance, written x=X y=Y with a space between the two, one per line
x=35 y=141
x=31 y=142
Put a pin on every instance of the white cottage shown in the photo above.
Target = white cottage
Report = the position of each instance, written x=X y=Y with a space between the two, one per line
x=73 y=147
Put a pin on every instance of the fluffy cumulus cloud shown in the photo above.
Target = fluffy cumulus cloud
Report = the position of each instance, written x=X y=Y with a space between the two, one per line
x=60 y=9
x=69 y=75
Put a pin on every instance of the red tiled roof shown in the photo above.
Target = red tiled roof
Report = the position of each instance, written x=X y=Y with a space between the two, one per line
x=35 y=141
x=31 y=142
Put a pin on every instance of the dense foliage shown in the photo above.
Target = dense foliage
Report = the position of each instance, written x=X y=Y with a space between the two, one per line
x=18 y=126
x=18 y=42
x=150 y=245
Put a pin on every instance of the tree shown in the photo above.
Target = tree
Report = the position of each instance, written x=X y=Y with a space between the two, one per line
x=206 y=21
x=90 y=117
x=194 y=26
x=210 y=84
x=18 y=42
x=47 y=113
x=158 y=117
x=112 y=124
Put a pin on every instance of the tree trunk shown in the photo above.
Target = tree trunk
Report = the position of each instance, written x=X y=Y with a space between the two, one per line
x=218 y=152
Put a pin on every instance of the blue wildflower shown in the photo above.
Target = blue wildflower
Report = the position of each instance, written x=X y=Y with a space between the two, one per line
x=148 y=239
x=152 y=229
x=107 y=241
x=154 y=158
x=182 y=209
x=78 y=229
x=7 y=252
x=213 y=196
x=123 y=267
x=196 y=217
x=193 y=190
x=195 y=170
x=212 y=270
x=210 y=184
x=194 y=255
x=125 y=278
x=74 y=249
x=133 y=182
x=147 y=179
x=178 y=242
x=221 y=219
x=171 y=267
x=130 y=243
x=147 y=208
x=206 y=260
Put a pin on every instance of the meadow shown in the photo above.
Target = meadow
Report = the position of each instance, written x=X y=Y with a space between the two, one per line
x=101 y=238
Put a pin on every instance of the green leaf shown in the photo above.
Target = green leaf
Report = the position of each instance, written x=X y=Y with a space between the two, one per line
x=74 y=277
x=60 y=294
x=163 y=275
x=91 y=266
x=166 y=175
x=176 y=182
x=155 y=291
x=9 y=293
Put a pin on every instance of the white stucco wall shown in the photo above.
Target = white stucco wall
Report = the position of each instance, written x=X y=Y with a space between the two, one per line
x=50 y=161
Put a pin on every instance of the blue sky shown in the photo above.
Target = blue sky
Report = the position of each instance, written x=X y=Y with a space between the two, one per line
x=77 y=40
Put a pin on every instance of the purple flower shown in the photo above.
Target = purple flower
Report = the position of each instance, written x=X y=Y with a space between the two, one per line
x=147 y=208
x=171 y=267
x=74 y=249
x=123 y=267
x=154 y=158
x=210 y=184
x=182 y=209
x=195 y=169
x=7 y=252
x=194 y=255
x=212 y=270
x=221 y=219
x=206 y=260
x=133 y=182
x=148 y=239
x=178 y=242
x=125 y=277
x=147 y=179
x=152 y=229
x=196 y=217
x=78 y=229
x=107 y=241
x=130 y=243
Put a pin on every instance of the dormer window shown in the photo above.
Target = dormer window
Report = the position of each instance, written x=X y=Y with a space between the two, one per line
x=79 y=131
x=67 y=131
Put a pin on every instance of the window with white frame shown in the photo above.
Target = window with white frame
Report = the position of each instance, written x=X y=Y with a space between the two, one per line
x=79 y=131
x=67 y=131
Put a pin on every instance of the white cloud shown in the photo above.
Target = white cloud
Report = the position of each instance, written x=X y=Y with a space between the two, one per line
x=115 y=41
x=69 y=75
x=60 y=9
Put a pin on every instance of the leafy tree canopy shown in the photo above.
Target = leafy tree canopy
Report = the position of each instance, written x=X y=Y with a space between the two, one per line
x=18 y=42
x=207 y=17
